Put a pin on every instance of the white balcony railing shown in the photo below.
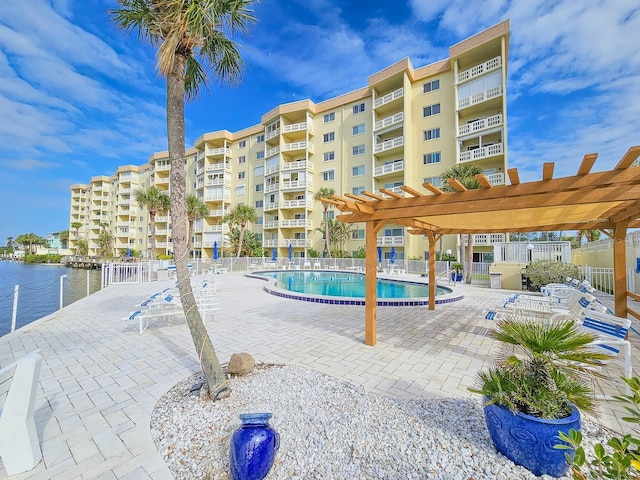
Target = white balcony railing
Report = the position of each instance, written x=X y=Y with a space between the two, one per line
x=162 y=231
x=216 y=167
x=480 y=97
x=213 y=197
x=301 y=145
x=272 y=242
x=496 y=178
x=270 y=224
x=297 y=203
x=271 y=187
x=272 y=170
x=218 y=151
x=390 y=241
x=217 y=213
x=480 y=69
x=297 y=127
x=389 y=97
x=296 y=222
x=388 y=121
x=270 y=206
x=162 y=181
x=298 y=165
x=163 y=167
x=389 y=144
x=479 y=153
x=485 y=238
x=162 y=218
x=272 y=133
x=479 y=125
x=295 y=242
x=218 y=181
x=216 y=228
x=389 y=168
x=163 y=244
x=296 y=184
x=272 y=151
x=199 y=156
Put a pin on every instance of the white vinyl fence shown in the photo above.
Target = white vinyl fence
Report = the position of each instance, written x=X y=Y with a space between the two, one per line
x=602 y=278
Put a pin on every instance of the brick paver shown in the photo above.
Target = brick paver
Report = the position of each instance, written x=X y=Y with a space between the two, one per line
x=100 y=380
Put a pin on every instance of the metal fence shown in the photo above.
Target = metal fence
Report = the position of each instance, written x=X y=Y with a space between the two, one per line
x=602 y=278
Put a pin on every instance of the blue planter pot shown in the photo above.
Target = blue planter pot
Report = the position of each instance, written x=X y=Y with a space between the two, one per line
x=253 y=447
x=456 y=277
x=529 y=441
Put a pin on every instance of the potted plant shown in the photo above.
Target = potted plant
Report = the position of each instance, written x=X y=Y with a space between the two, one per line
x=457 y=268
x=542 y=378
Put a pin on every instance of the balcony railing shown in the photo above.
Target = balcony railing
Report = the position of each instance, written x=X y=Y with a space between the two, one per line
x=162 y=218
x=389 y=144
x=272 y=151
x=480 y=125
x=162 y=231
x=162 y=167
x=480 y=97
x=496 y=178
x=297 y=127
x=390 y=241
x=163 y=244
x=295 y=242
x=218 y=151
x=389 y=97
x=271 y=187
x=485 y=238
x=297 y=203
x=301 y=145
x=296 y=185
x=272 y=133
x=218 y=181
x=217 y=213
x=272 y=242
x=162 y=181
x=270 y=206
x=389 y=168
x=296 y=222
x=298 y=165
x=270 y=224
x=216 y=167
x=199 y=156
x=217 y=196
x=272 y=170
x=388 y=121
x=216 y=229
x=393 y=189
x=479 y=153
x=479 y=69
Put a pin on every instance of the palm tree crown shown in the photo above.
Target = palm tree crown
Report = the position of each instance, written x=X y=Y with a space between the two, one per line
x=325 y=192
x=195 y=211
x=241 y=215
x=154 y=200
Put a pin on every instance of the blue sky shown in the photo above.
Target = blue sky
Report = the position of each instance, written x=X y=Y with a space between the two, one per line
x=77 y=99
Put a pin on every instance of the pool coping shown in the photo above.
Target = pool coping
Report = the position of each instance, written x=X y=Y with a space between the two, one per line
x=387 y=302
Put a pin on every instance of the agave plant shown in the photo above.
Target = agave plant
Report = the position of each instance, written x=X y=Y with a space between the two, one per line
x=542 y=369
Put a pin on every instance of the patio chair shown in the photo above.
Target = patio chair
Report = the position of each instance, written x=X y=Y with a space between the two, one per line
x=568 y=282
x=317 y=265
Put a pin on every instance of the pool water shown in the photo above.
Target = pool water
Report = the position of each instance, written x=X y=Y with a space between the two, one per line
x=343 y=284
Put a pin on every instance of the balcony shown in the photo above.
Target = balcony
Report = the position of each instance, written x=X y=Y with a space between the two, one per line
x=393 y=189
x=389 y=97
x=217 y=167
x=298 y=127
x=270 y=224
x=218 y=181
x=272 y=170
x=272 y=151
x=162 y=181
x=479 y=125
x=216 y=197
x=479 y=97
x=298 y=165
x=271 y=187
x=295 y=242
x=162 y=231
x=218 y=151
x=216 y=229
x=388 y=121
x=297 y=203
x=197 y=229
x=480 y=153
x=125 y=191
x=385 y=241
x=388 y=144
x=480 y=69
x=217 y=213
x=197 y=244
x=296 y=223
x=163 y=244
x=270 y=206
x=162 y=167
x=486 y=238
x=389 y=168
x=272 y=133
x=162 y=218
x=297 y=185
x=301 y=145
x=496 y=178
x=199 y=156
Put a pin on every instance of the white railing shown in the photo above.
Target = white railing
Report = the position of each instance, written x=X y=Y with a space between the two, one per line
x=390 y=241
x=297 y=203
x=397 y=190
x=301 y=145
x=162 y=167
x=272 y=170
x=125 y=273
x=270 y=224
x=124 y=191
x=162 y=218
x=217 y=213
x=298 y=165
x=218 y=151
x=163 y=244
x=389 y=97
x=162 y=181
x=272 y=151
x=199 y=156
x=297 y=127
x=389 y=144
x=296 y=222
x=272 y=133
x=481 y=152
x=218 y=181
x=270 y=243
x=271 y=187
x=496 y=178
x=389 y=168
x=216 y=228
x=632 y=240
x=215 y=167
x=217 y=196
x=162 y=231
x=525 y=252
x=388 y=121
x=270 y=206
x=480 y=125
x=480 y=97
x=485 y=238
x=601 y=278
x=297 y=184
x=480 y=69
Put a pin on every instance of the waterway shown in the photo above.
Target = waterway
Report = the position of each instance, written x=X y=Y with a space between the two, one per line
x=39 y=291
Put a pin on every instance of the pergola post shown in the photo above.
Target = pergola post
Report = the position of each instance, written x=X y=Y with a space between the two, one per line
x=371 y=274
x=620 y=268
x=432 y=270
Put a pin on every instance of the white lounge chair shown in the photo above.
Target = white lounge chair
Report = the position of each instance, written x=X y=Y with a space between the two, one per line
x=19 y=445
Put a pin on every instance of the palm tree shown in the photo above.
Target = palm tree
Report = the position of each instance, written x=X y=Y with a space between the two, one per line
x=76 y=226
x=195 y=211
x=10 y=245
x=155 y=200
x=465 y=173
x=325 y=192
x=64 y=238
x=182 y=31
x=590 y=235
x=105 y=241
x=241 y=215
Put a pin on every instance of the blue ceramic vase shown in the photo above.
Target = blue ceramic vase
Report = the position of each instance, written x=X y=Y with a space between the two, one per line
x=253 y=447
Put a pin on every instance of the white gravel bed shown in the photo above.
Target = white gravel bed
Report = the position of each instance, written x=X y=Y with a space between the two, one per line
x=331 y=429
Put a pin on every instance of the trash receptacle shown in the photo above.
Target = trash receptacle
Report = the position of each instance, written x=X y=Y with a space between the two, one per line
x=496 y=280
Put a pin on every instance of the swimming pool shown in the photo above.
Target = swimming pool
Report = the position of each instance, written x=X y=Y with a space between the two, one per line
x=348 y=288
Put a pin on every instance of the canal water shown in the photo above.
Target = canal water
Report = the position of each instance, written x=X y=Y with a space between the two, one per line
x=39 y=292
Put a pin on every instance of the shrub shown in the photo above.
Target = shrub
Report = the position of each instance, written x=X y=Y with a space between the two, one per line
x=165 y=257
x=542 y=272
x=46 y=258
x=313 y=253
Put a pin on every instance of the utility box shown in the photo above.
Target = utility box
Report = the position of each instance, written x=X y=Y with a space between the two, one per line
x=496 y=280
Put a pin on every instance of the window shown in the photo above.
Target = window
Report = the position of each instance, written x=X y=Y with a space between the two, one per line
x=242 y=159
x=435 y=181
x=328 y=175
x=430 y=86
x=357 y=190
x=432 y=134
x=328 y=156
x=329 y=117
x=260 y=138
x=358 y=234
x=331 y=215
x=357 y=171
x=329 y=137
x=259 y=203
x=260 y=187
x=358 y=108
x=258 y=171
x=358 y=129
x=357 y=150
x=259 y=155
x=433 y=157
x=393 y=232
x=240 y=190
x=431 y=110
x=241 y=175
x=242 y=144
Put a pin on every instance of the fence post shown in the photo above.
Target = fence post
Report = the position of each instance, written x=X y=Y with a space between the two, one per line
x=88 y=289
x=14 y=315
x=62 y=277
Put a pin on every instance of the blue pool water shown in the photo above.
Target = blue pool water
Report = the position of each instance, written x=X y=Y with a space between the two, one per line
x=343 y=284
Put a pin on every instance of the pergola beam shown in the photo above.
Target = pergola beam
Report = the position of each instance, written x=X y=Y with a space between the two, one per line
x=587 y=163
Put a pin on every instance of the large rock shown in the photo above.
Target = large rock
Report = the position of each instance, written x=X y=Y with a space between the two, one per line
x=241 y=363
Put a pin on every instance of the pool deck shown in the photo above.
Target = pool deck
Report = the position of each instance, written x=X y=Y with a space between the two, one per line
x=100 y=379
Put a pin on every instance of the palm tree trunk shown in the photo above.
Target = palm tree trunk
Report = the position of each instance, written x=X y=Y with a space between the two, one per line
x=242 y=227
x=189 y=237
x=152 y=225
x=175 y=132
x=326 y=231
x=469 y=260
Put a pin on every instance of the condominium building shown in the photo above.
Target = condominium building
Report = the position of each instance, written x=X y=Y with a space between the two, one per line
x=406 y=127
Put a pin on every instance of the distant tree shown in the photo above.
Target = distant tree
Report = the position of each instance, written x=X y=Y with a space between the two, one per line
x=10 y=246
x=64 y=238
x=325 y=192
x=155 y=200
x=250 y=245
x=76 y=226
x=241 y=215
x=196 y=210
x=589 y=235
x=31 y=241
x=465 y=173
x=105 y=241
x=82 y=247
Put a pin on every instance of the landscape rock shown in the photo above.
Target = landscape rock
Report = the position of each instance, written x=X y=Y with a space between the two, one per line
x=241 y=363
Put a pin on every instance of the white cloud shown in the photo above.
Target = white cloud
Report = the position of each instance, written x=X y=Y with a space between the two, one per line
x=29 y=164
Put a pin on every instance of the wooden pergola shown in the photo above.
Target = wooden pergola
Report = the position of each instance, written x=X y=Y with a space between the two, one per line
x=607 y=201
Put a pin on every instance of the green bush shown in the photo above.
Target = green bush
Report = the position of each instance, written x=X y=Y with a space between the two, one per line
x=165 y=257
x=46 y=258
x=313 y=253
x=542 y=272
